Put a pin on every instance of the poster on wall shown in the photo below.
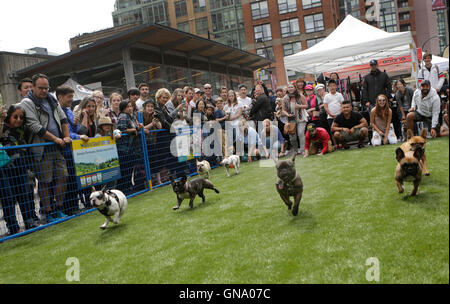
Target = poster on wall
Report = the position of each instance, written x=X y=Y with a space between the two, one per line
x=96 y=161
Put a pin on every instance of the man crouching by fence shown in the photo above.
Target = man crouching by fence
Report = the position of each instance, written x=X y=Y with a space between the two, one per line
x=46 y=122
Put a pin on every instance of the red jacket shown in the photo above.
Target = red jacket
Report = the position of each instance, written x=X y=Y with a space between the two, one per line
x=321 y=135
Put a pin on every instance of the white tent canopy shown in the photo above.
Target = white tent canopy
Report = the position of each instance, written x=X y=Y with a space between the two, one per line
x=352 y=42
x=441 y=62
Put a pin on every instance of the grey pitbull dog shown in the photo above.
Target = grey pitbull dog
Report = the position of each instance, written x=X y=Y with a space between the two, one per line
x=289 y=183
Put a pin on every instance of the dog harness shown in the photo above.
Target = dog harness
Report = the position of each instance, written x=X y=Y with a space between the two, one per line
x=105 y=210
x=289 y=186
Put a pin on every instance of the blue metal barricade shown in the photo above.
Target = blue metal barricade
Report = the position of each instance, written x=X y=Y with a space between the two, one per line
x=35 y=194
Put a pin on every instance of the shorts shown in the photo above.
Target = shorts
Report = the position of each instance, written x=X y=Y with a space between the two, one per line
x=351 y=137
x=52 y=165
x=420 y=117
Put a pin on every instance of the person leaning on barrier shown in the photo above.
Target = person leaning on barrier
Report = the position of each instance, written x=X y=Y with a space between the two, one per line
x=101 y=109
x=148 y=115
x=114 y=111
x=133 y=96
x=47 y=122
x=127 y=122
x=175 y=103
x=14 y=177
x=144 y=91
x=65 y=94
x=105 y=127
x=161 y=112
x=87 y=120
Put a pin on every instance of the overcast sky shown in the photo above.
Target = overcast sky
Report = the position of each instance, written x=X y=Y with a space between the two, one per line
x=50 y=24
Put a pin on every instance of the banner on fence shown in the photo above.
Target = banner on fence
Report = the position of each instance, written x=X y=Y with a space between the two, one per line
x=96 y=161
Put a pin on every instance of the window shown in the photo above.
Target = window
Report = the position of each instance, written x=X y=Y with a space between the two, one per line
x=199 y=6
x=289 y=27
x=287 y=6
x=266 y=53
x=201 y=26
x=403 y=16
x=262 y=33
x=260 y=10
x=314 y=23
x=405 y=27
x=180 y=8
x=183 y=26
x=221 y=3
x=292 y=48
x=223 y=20
x=311 y=3
x=311 y=42
x=402 y=3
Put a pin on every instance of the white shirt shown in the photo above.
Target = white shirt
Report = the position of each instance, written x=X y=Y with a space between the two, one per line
x=334 y=103
x=428 y=106
x=139 y=104
x=435 y=76
x=247 y=101
x=232 y=110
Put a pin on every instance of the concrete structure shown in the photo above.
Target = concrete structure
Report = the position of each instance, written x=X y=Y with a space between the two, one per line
x=9 y=80
x=155 y=54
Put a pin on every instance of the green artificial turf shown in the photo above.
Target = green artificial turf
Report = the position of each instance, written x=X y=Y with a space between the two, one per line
x=350 y=211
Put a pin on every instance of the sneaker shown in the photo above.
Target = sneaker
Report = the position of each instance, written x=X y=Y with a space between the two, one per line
x=59 y=214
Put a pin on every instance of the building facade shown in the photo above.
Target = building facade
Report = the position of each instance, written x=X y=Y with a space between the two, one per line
x=219 y=20
x=278 y=28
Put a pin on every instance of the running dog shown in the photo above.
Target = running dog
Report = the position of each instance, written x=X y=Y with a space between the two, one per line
x=110 y=203
x=189 y=189
x=289 y=183
x=232 y=161
x=408 y=168
x=415 y=142
x=203 y=168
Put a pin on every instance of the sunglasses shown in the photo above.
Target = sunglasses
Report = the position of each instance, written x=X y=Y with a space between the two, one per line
x=18 y=117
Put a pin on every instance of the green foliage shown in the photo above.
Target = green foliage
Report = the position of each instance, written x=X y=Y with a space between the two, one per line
x=350 y=211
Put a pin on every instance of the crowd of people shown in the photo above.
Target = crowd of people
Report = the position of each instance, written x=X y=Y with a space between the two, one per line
x=304 y=118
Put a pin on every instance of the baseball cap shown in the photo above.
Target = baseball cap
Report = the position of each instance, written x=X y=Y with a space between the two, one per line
x=309 y=87
x=373 y=62
x=320 y=86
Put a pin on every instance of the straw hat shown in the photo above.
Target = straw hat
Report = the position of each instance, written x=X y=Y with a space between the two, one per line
x=105 y=121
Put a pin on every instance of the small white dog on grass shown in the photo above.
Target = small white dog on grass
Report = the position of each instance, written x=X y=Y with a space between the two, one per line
x=110 y=203
x=203 y=168
x=232 y=161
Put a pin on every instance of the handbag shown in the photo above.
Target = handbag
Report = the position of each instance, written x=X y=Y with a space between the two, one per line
x=4 y=158
x=290 y=128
